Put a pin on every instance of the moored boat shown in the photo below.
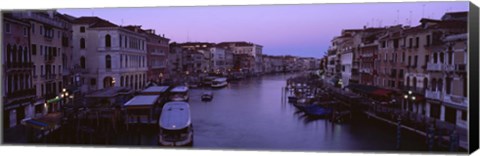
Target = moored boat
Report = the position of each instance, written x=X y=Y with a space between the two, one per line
x=219 y=82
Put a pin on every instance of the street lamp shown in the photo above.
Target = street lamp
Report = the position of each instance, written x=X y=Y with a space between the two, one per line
x=64 y=96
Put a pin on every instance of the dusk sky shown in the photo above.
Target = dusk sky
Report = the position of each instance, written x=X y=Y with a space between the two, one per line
x=302 y=30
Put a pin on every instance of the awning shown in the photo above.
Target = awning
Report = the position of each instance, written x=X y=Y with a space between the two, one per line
x=382 y=92
x=371 y=90
x=54 y=100
x=36 y=124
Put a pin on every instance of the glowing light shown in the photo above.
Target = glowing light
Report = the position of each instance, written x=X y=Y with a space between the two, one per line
x=406 y=96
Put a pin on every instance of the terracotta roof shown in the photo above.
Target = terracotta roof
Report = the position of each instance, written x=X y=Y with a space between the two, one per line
x=94 y=22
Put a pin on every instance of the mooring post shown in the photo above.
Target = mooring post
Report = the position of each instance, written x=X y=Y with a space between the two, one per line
x=431 y=137
x=454 y=140
x=399 y=129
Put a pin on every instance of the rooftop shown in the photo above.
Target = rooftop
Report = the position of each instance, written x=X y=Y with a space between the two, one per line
x=154 y=89
x=142 y=100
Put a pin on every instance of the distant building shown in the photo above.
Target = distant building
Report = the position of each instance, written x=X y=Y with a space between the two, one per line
x=251 y=49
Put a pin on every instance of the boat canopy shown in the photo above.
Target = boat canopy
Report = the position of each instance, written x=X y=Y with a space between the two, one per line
x=179 y=89
x=156 y=89
x=142 y=100
x=175 y=115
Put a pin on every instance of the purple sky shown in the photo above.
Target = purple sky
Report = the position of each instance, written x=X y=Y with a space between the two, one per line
x=303 y=30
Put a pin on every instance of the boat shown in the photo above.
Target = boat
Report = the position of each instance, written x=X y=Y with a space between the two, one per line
x=219 y=82
x=317 y=111
x=207 y=96
x=207 y=81
x=175 y=126
x=179 y=93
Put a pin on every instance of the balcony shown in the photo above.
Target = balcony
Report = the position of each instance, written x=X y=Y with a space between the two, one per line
x=460 y=67
x=448 y=67
x=49 y=59
x=51 y=76
x=456 y=100
x=435 y=95
x=434 y=67
x=21 y=94
x=158 y=66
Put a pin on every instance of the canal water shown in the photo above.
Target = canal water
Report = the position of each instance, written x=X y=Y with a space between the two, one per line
x=249 y=114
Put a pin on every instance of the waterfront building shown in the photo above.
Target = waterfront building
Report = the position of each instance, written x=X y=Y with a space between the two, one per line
x=425 y=45
x=390 y=64
x=244 y=63
x=49 y=32
x=175 y=61
x=157 y=54
x=18 y=89
x=248 y=48
x=109 y=55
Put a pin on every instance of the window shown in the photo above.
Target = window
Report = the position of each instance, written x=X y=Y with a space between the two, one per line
x=464 y=115
x=409 y=60
x=7 y=27
x=395 y=43
x=448 y=82
x=417 y=42
x=416 y=60
x=82 y=29
x=82 y=43
x=41 y=70
x=108 y=62
x=408 y=81
x=33 y=28
x=41 y=30
x=442 y=57
x=426 y=59
x=435 y=57
x=82 y=62
x=93 y=81
x=34 y=49
x=410 y=42
x=25 y=31
x=121 y=37
x=108 y=41
x=34 y=70
x=428 y=41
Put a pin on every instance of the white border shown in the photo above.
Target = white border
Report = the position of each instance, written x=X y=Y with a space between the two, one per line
x=48 y=4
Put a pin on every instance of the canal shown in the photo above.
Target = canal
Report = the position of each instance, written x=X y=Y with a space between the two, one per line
x=249 y=114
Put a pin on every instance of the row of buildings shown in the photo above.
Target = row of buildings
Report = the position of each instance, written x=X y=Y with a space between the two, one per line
x=47 y=54
x=424 y=66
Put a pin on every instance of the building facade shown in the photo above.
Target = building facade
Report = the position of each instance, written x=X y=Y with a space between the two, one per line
x=109 y=55
x=18 y=89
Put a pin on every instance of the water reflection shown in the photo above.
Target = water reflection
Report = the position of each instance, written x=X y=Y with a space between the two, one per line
x=250 y=114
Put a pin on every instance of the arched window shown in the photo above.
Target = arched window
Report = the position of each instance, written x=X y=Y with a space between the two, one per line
x=9 y=51
x=14 y=54
x=440 y=84
x=82 y=43
x=408 y=81
x=448 y=82
x=108 y=42
x=414 y=84
x=25 y=55
x=108 y=82
x=108 y=62
x=20 y=51
x=434 y=85
x=425 y=83
x=126 y=81
x=82 y=62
